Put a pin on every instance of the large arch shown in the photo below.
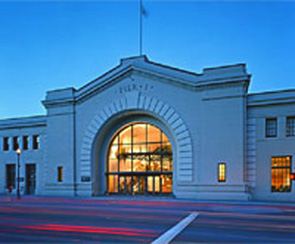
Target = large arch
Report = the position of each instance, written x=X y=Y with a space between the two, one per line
x=139 y=160
x=136 y=103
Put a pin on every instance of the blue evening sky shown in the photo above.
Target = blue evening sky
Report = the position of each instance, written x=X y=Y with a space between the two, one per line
x=57 y=44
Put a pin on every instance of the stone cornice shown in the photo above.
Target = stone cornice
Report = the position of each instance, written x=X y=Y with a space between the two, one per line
x=60 y=98
x=34 y=121
x=105 y=82
x=177 y=76
x=211 y=77
x=271 y=98
x=58 y=102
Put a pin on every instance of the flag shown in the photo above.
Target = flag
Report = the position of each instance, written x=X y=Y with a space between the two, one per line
x=144 y=12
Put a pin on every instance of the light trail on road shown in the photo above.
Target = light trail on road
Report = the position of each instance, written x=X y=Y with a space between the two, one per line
x=67 y=220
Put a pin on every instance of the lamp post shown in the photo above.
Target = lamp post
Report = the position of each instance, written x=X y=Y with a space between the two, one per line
x=18 y=152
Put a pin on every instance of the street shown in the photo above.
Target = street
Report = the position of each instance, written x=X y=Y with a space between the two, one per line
x=40 y=219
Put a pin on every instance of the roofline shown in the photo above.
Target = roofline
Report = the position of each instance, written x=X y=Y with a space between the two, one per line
x=111 y=70
x=38 y=120
x=143 y=64
x=174 y=68
x=134 y=57
x=225 y=66
x=146 y=60
x=156 y=64
x=271 y=98
x=98 y=78
x=25 y=117
x=271 y=92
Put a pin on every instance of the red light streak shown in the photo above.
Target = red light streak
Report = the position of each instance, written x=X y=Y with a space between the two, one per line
x=92 y=229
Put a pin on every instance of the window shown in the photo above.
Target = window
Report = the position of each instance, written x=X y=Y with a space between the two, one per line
x=15 y=143
x=280 y=174
x=25 y=142
x=10 y=175
x=6 y=143
x=221 y=172
x=60 y=174
x=290 y=126
x=140 y=161
x=36 y=142
x=271 y=127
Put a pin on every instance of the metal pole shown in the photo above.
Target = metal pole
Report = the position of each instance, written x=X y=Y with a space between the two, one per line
x=18 y=178
x=140 y=29
x=74 y=151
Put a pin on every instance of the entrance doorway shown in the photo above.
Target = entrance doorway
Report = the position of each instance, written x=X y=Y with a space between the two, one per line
x=145 y=184
x=30 y=179
x=140 y=161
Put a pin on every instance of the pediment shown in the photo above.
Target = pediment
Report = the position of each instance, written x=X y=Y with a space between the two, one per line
x=230 y=73
x=139 y=64
x=163 y=73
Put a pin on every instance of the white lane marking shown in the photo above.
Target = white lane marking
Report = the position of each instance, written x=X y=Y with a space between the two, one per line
x=175 y=230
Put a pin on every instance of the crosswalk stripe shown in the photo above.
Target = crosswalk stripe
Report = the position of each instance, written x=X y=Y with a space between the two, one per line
x=175 y=230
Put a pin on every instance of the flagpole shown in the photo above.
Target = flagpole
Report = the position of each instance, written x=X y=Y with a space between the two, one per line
x=140 y=29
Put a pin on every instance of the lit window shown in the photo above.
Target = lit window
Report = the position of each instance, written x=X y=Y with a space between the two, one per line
x=6 y=143
x=271 y=127
x=36 y=142
x=221 y=172
x=10 y=175
x=15 y=143
x=25 y=142
x=290 y=126
x=60 y=174
x=140 y=161
x=280 y=174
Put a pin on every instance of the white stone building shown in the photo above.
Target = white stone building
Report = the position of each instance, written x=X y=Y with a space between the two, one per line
x=148 y=129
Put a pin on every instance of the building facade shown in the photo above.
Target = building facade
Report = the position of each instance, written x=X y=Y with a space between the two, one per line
x=144 y=128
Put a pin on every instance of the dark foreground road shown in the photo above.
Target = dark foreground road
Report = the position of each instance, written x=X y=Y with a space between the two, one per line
x=134 y=221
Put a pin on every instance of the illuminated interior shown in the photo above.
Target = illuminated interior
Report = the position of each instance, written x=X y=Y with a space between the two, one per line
x=221 y=172
x=280 y=174
x=140 y=161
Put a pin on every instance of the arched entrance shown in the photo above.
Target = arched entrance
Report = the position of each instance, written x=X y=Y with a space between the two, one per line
x=139 y=161
x=131 y=108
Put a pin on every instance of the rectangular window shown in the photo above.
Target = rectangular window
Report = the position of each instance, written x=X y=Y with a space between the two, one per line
x=221 y=172
x=5 y=143
x=271 y=127
x=60 y=174
x=280 y=174
x=25 y=142
x=36 y=142
x=10 y=175
x=15 y=143
x=290 y=126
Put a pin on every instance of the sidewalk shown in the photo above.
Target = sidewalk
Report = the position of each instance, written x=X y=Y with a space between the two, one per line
x=162 y=199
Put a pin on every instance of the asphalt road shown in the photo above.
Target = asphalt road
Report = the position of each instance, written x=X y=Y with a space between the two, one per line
x=113 y=220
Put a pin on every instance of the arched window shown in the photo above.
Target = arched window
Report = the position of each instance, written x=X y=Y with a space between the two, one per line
x=140 y=161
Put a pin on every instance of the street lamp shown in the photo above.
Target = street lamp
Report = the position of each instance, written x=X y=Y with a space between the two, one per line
x=18 y=152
